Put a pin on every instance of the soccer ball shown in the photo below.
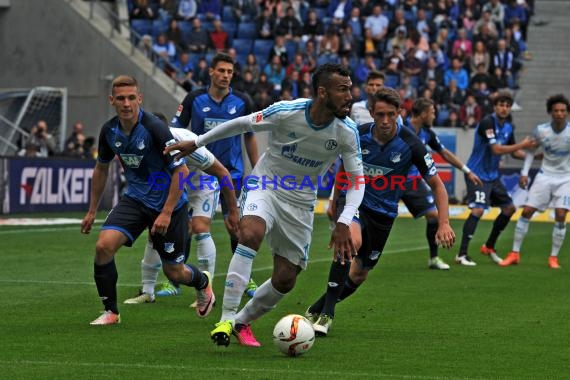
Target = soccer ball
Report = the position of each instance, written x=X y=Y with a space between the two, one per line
x=294 y=335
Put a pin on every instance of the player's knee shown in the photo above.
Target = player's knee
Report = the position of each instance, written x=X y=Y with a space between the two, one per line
x=509 y=210
x=283 y=283
x=478 y=212
x=104 y=251
x=174 y=273
x=358 y=275
x=251 y=238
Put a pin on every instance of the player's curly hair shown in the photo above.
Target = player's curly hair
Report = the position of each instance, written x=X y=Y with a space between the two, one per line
x=323 y=74
x=557 y=99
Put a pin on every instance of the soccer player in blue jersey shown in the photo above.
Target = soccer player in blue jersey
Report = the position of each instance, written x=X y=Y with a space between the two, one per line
x=552 y=183
x=418 y=198
x=137 y=138
x=201 y=111
x=306 y=137
x=494 y=136
x=388 y=152
x=203 y=193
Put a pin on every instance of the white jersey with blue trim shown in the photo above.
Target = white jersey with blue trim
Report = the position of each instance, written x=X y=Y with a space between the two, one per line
x=360 y=113
x=300 y=151
x=197 y=161
x=556 y=147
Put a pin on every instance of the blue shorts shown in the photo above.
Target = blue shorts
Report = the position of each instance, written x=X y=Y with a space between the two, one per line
x=420 y=200
x=492 y=193
x=132 y=217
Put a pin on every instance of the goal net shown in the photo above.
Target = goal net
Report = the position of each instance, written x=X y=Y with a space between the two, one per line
x=20 y=110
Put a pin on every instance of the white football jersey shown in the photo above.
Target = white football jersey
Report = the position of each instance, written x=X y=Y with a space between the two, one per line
x=201 y=159
x=360 y=114
x=299 y=153
x=556 y=147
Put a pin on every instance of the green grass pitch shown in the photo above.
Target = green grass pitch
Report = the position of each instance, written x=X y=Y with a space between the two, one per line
x=405 y=322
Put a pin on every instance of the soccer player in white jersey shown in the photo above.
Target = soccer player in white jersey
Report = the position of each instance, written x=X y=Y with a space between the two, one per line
x=307 y=135
x=552 y=183
x=203 y=198
x=359 y=112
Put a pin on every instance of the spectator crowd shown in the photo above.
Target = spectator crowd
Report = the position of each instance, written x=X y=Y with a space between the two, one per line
x=459 y=53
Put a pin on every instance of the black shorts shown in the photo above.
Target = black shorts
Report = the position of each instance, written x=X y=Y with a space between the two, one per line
x=492 y=193
x=132 y=217
x=375 y=229
x=419 y=201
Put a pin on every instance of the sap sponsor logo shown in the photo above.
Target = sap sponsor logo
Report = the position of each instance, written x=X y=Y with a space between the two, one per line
x=373 y=171
x=131 y=160
x=51 y=186
x=211 y=123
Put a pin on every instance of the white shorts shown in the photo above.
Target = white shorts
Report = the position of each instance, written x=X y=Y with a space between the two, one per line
x=203 y=202
x=549 y=190
x=288 y=228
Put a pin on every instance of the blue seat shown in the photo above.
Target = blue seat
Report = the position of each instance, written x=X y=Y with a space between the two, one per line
x=262 y=47
x=291 y=47
x=230 y=27
x=142 y=27
x=158 y=27
x=392 y=80
x=228 y=14
x=247 y=30
x=243 y=45
x=186 y=29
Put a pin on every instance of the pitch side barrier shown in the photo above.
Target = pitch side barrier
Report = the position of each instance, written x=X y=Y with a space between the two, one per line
x=30 y=185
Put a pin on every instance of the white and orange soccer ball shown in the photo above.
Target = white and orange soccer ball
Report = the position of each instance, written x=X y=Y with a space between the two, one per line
x=294 y=335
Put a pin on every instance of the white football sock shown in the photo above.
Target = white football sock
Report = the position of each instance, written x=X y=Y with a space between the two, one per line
x=206 y=252
x=520 y=232
x=558 y=234
x=150 y=266
x=237 y=278
x=265 y=299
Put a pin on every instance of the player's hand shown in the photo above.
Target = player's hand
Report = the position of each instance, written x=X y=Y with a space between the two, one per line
x=87 y=222
x=232 y=222
x=475 y=179
x=529 y=143
x=445 y=237
x=341 y=242
x=331 y=211
x=161 y=224
x=523 y=181
x=180 y=149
